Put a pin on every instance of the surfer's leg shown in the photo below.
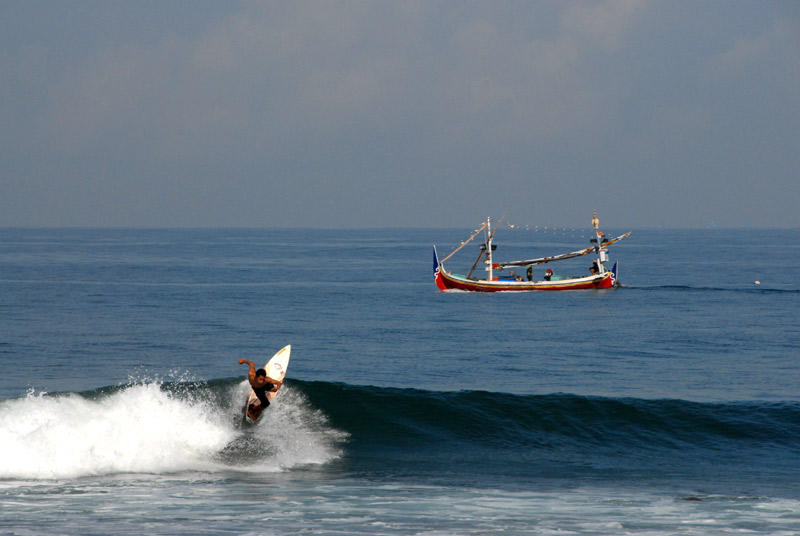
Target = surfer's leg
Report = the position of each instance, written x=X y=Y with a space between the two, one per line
x=262 y=397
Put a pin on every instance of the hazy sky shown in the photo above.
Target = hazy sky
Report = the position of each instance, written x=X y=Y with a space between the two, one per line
x=391 y=113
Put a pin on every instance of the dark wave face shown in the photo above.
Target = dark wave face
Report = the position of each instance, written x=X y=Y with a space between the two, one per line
x=490 y=435
x=472 y=437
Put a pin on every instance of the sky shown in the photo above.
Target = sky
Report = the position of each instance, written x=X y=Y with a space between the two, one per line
x=372 y=114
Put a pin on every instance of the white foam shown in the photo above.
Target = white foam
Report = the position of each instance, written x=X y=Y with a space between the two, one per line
x=298 y=434
x=289 y=434
x=145 y=429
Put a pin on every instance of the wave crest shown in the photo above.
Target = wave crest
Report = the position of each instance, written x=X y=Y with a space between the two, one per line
x=156 y=427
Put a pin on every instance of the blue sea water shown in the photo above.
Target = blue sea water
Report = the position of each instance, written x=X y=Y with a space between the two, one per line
x=670 y=405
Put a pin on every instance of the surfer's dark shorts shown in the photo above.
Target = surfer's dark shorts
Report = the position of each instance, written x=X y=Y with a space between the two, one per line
x=262 y=397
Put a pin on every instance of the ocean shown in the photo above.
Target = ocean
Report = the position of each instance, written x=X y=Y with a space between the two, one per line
x=670 y=405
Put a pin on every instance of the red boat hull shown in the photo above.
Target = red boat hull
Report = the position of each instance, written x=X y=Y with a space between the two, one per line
x=446 y=281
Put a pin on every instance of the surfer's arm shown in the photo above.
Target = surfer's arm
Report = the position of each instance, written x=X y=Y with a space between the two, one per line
x=252 y=371
x=275 y=383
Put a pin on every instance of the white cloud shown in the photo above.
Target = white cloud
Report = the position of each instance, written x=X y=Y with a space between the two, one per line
x=602 y=24
x=309 y=67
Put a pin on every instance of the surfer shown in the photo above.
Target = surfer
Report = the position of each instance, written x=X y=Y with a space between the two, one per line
x=260 y=382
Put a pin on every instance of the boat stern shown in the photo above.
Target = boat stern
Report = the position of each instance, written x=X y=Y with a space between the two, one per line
x=437 y=272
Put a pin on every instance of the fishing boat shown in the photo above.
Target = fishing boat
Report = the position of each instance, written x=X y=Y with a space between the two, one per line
x=498 y=279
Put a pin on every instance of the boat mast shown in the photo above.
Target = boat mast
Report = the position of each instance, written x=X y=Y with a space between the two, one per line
x=602 y=255
x=489 y=249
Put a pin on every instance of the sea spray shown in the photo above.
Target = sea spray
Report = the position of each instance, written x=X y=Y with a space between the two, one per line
x=137 y=429
x=291 y=433
x=155 y=427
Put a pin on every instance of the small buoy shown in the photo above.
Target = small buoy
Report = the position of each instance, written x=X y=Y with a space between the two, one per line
x=756 y=282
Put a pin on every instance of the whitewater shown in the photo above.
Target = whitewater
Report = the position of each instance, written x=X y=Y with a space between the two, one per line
x=151 y=428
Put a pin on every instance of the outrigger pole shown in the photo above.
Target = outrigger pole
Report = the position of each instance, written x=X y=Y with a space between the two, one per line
x=465 y=242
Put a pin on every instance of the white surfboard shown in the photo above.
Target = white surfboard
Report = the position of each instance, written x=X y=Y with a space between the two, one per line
x=276 y=370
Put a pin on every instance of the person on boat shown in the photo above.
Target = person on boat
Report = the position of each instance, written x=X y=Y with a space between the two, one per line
x=548 y=274
x=260 y=382
x=530 y=272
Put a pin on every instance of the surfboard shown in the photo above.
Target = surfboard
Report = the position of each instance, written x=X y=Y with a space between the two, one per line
x=276 y=370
